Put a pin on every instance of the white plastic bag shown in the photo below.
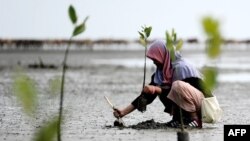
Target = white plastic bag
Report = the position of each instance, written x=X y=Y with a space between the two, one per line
x=210 y=110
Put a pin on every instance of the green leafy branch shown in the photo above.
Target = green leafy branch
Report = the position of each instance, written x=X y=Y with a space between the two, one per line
x=144 y=34
x=80 y=28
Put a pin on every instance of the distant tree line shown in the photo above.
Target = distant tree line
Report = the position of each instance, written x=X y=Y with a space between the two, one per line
x=89 y=42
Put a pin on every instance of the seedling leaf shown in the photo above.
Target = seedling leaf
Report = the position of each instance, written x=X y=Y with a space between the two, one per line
x=72 y=14
x=79 y=29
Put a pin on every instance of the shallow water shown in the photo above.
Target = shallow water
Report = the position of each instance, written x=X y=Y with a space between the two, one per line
x=233 y=60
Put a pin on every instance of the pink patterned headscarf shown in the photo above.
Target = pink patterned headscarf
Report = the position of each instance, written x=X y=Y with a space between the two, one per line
x=157 y=51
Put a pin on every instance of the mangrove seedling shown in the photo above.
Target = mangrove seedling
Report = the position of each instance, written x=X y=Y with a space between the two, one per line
x=78 y=29
x=144 y=34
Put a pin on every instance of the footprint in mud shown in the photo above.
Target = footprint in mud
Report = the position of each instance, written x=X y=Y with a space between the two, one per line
x=148 y=124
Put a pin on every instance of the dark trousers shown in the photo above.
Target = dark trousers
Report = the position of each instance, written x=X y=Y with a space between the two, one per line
x=151 y=97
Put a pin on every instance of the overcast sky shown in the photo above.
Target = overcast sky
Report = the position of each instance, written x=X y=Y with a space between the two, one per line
x=48 y=19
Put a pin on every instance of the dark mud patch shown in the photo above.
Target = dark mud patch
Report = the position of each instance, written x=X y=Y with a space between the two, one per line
x=148 y=124
x=151 y=124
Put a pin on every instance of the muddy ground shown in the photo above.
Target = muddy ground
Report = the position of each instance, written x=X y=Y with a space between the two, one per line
x=88 y=116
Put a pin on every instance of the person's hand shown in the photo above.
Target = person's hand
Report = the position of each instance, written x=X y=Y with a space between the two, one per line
x=149 y=89
x=117 y=113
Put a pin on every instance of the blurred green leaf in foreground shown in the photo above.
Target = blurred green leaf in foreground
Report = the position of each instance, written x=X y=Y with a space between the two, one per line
x=26 y=92
x=48 y=131
x=210 y=80
x=214 y=40
x=55 y=85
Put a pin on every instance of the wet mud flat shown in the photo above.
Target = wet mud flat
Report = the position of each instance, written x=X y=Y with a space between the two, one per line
x=95 y=74
x=88 y=116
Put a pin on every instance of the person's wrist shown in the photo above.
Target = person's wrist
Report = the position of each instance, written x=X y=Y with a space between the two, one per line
x=153 y=89
x=122 y=113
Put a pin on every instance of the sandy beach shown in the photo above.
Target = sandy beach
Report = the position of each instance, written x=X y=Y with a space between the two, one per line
x=117 y=74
